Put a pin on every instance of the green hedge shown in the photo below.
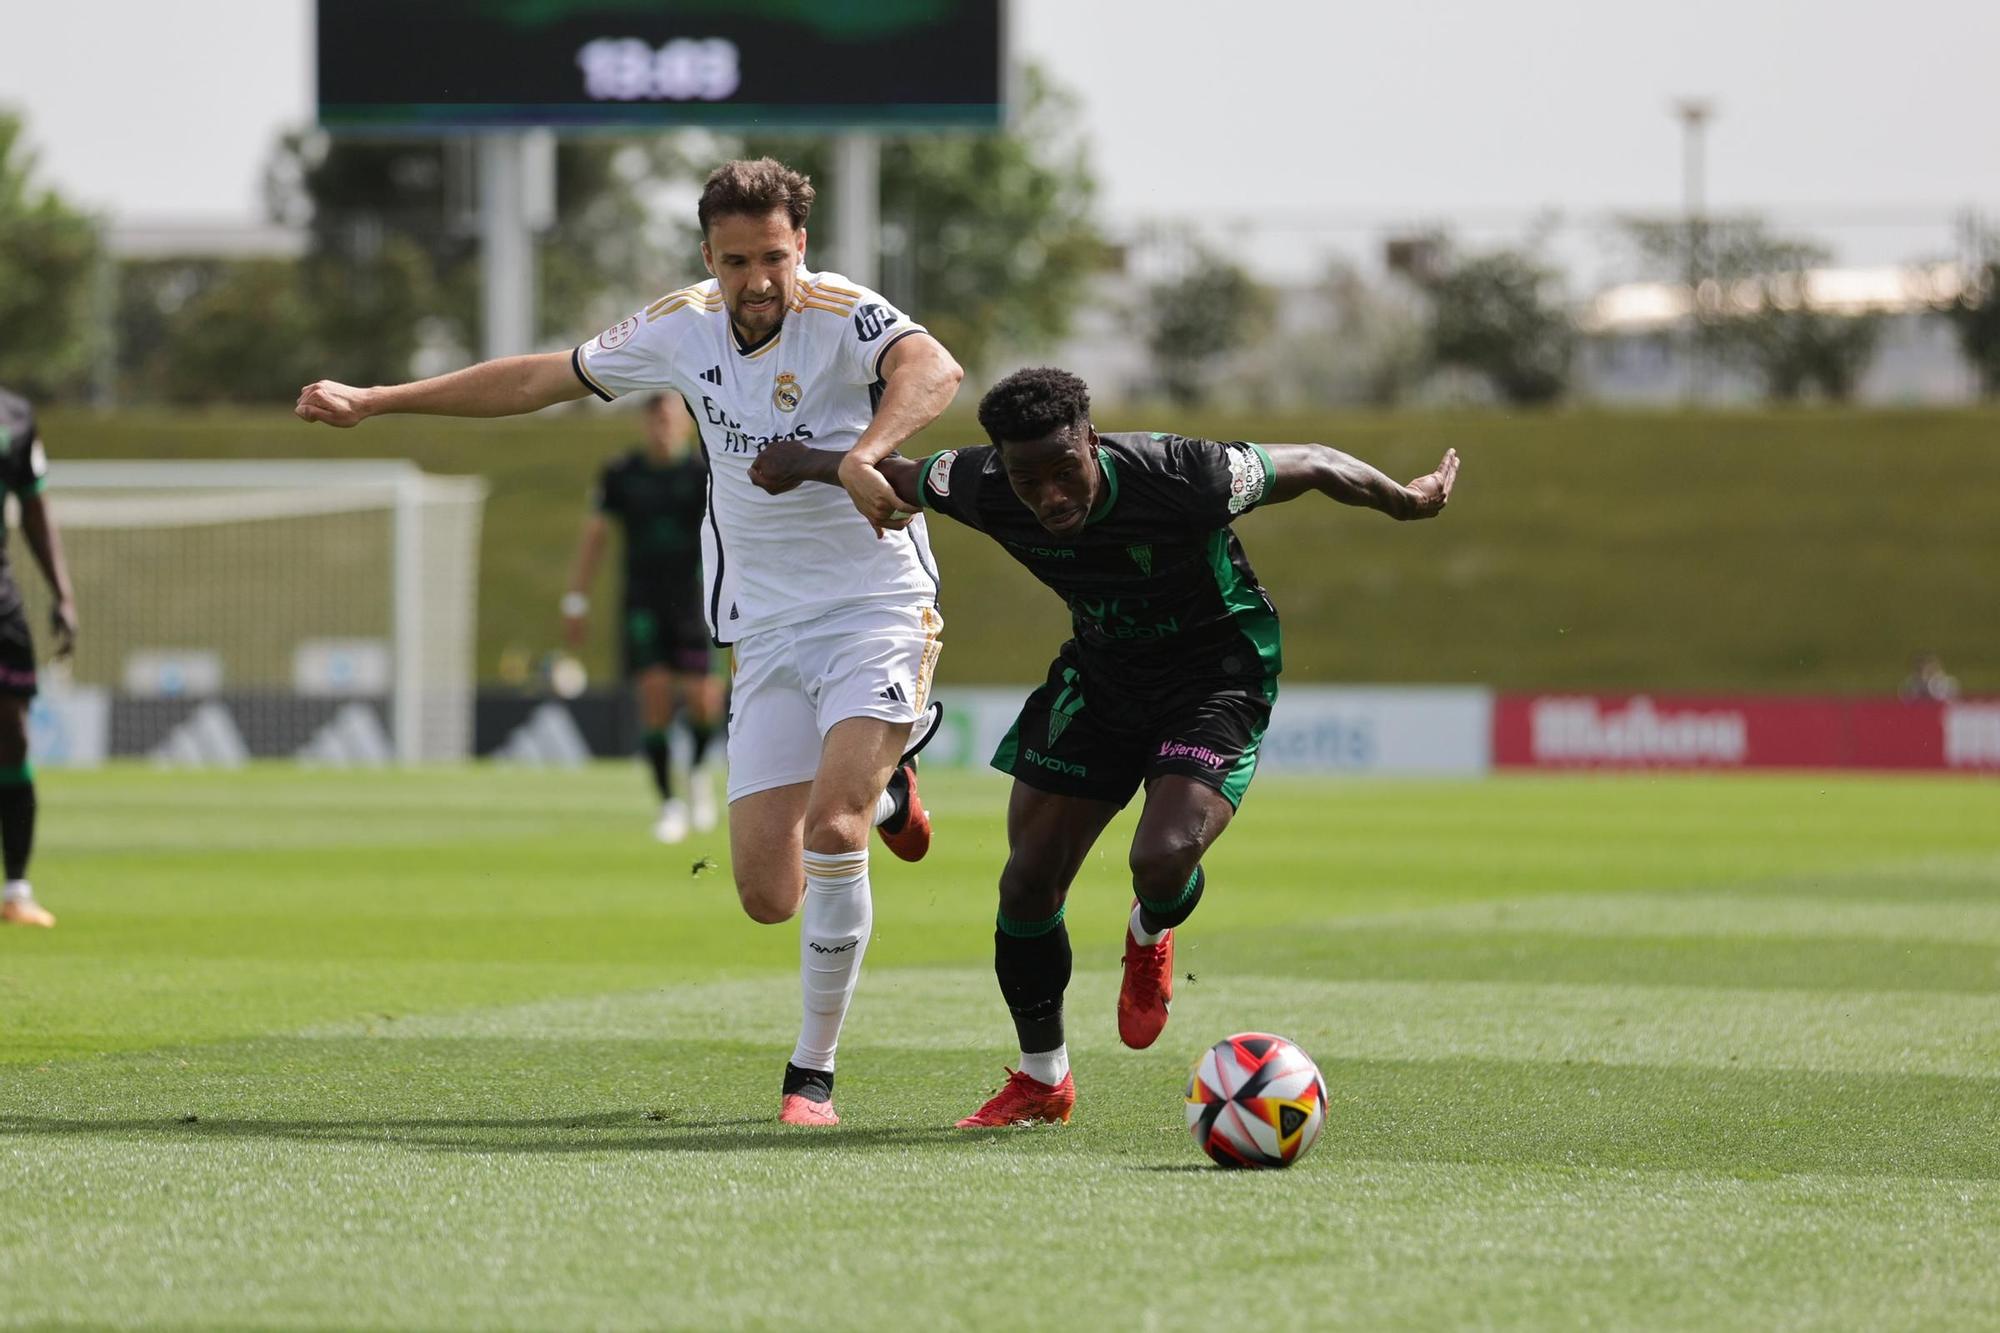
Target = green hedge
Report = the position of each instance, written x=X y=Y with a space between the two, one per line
x=1798 y=550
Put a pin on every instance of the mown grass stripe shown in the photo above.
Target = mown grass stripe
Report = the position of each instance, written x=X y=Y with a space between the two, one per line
x=1688 y=915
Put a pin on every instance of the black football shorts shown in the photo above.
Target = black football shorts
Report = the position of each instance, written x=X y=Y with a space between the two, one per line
x=1077 y=736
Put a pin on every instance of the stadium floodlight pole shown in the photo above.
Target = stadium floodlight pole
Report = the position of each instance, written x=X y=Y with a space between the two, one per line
x=857 y=191
x=1694 y=113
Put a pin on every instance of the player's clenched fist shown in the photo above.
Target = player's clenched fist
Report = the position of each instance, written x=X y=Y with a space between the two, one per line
x=333 y=403
x=1433 y=492
x=780 y=466
x=872 y=495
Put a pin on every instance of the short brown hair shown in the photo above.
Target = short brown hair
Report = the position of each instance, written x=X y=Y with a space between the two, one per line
x=755 y=189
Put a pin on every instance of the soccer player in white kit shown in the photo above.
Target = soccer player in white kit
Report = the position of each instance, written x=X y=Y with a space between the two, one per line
x=832 y=614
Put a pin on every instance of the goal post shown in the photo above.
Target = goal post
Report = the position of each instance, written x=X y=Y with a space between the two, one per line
x=322 y=610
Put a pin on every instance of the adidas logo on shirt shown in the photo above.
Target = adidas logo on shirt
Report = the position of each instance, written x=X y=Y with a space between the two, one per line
x=894 y=694
x=713 y=374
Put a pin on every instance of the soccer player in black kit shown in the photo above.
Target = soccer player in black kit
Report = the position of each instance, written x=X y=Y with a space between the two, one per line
x=657 y=495
x=1167 y=682
x=23 y=469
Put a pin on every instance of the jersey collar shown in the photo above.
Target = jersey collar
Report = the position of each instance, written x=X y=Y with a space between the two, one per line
x=1109 y=467
x=753 y=348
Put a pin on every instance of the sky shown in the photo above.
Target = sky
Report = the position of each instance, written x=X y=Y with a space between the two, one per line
x=1316 y=120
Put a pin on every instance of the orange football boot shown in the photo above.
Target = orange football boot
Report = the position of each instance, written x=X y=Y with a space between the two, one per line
x=1147 y=991
x=1025 y=1101
x=26 y=912
x=808 y=1097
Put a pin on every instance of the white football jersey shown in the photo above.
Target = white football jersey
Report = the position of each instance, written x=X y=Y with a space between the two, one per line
x=772 y=560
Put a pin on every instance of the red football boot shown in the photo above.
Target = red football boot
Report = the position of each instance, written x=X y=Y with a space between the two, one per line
x=908 y=835
x=1147 y=991
x=1025 y=1101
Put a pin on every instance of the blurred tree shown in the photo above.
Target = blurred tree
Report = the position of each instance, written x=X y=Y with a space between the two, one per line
x=1348 y=342
x=986 y=238
x=49 y=253
x=242 y=332
x=206 y=330
x=1752 y=306
x=1976 y=314
x=367 y=311
x=382 y=214
x=1195 y=321
x=1495 y=314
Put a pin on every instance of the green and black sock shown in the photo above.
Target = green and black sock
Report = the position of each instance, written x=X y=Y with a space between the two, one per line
x=17 y=818
x=1155 y=917
x=1032 y=960
x=703 y=733
x=654 y=746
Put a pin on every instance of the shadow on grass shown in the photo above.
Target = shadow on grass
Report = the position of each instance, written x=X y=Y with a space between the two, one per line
x=618 y=1131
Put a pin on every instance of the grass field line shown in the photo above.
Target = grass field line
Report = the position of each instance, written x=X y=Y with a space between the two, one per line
x=1689 y=915
x=915 y=1009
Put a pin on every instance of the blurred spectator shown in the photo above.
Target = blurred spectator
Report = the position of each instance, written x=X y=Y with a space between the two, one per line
x=1928 y=680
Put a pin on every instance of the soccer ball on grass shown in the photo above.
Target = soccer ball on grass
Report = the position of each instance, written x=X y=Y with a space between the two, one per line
x=1255 y=1100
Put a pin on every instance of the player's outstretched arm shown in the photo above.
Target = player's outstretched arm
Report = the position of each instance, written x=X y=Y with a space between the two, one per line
x=783 y=464
x=500 y=388
x=576 y=598
x=1302 y=468
x=39 y=527
x=921 y=379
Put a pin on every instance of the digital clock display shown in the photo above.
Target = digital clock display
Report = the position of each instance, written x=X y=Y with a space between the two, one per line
x=425 y=66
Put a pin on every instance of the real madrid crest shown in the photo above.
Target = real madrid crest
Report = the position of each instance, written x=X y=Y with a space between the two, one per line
x=787 y=393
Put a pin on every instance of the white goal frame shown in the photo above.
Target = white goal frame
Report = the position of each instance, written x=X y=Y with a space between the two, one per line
x=433 y=628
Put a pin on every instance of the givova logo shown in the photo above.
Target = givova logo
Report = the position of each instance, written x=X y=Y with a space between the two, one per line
x=1055 y=765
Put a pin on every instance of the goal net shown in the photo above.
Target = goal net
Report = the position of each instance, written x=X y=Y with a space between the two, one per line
x=318 y=610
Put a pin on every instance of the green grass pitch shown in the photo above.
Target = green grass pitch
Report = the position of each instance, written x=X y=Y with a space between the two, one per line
x=463 y=1048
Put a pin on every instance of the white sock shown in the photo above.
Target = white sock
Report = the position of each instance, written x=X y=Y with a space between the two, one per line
x=1139 y=931
x=17 y=891
x=1048 y=1067
x=885 y=806
x=833 y=935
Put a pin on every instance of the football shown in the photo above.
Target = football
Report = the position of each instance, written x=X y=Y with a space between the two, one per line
x=1255 y=1100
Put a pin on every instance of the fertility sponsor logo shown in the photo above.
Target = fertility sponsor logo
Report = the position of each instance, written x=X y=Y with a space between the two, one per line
x=1199 y=754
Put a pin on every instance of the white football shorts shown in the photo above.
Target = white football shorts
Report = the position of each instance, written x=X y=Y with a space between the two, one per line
x=793 y=683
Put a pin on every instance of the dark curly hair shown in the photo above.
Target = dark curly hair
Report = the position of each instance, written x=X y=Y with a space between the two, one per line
x=755 y=189
x=1029 y=404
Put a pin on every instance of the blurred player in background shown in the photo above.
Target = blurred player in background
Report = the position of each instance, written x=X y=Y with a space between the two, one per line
x=23 y=470
x=657 y=495
x=834 y=619
x=1167 y=684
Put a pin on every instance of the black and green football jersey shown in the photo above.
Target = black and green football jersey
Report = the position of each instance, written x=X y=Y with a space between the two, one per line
x=660 y=510
x=23 y=469
x=1162 y=599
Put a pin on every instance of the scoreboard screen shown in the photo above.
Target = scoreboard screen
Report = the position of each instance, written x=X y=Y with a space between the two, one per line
x=425 y=66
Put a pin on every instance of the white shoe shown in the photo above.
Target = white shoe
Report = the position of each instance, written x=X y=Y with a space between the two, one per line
x=701 y=801
x=673 y=823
